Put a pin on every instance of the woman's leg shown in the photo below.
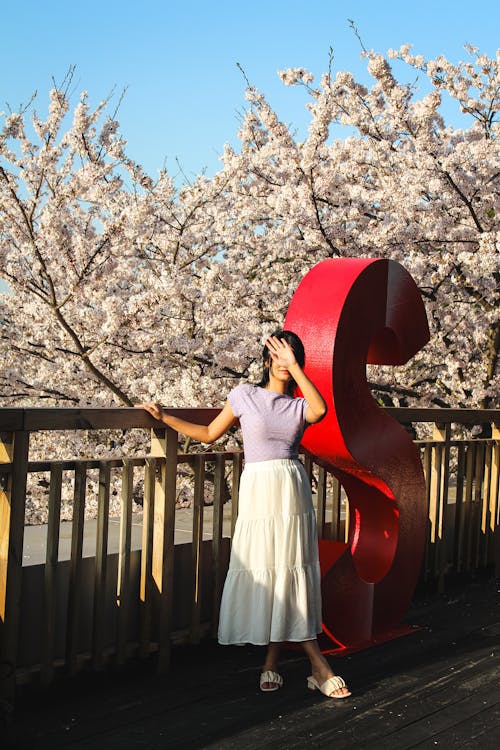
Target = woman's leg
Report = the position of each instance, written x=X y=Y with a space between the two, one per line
x=271 y=662
x=321 y=670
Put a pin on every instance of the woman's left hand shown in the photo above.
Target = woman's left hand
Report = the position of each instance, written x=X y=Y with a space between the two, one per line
x=281 y=352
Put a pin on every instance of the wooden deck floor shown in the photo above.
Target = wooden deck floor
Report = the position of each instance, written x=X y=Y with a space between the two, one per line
x=438 y=687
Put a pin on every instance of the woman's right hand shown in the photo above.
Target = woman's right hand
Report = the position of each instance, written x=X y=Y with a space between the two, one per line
x=154 y=408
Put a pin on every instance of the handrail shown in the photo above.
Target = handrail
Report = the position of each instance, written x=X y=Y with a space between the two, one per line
x=31 y=419
x=441 y=415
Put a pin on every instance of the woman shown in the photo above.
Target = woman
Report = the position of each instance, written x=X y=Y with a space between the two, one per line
x=272 y=591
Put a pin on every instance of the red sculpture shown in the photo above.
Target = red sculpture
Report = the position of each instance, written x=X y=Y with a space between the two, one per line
x=350 y=312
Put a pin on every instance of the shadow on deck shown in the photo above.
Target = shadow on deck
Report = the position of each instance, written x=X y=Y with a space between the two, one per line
x=438 y=687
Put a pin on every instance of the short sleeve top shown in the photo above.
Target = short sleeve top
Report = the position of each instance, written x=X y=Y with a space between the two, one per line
x=272 y=423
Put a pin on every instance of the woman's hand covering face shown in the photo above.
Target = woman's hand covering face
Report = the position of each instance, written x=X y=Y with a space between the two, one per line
x=281 y=352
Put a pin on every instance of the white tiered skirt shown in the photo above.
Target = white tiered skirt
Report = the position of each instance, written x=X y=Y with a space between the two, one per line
x=273 y=587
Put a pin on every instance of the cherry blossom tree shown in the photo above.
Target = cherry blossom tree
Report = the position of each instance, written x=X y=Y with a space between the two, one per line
x=103 y=262
x=126 y=288
x=404 y=185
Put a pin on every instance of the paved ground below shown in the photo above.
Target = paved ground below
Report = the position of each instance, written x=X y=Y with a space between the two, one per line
x=438 y=687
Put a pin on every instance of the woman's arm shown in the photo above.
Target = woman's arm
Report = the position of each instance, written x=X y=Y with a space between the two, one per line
x=204 y=433
x=316 y=405
x=282 y=354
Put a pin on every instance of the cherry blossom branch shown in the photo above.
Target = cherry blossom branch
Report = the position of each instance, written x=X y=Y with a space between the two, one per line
x=464 y=199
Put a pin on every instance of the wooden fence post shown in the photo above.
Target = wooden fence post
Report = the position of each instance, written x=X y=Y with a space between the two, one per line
x=164 y=445
x=235 y=489
x=336 y=492
x=321 y=494
x=426 y=456
x=101 y=561
x=459 y=530
x=196 y=547
x=218 y=510
x=440 y=476
x=75 y=570
x=51 y=566
x=14 y=449
x=123 y=581
x=494 y=495
x=146 y=581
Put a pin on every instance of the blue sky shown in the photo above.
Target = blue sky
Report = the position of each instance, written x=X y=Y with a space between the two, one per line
x=178 y=59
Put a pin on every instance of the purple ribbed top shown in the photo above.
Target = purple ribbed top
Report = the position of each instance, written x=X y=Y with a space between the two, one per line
x=272 y=423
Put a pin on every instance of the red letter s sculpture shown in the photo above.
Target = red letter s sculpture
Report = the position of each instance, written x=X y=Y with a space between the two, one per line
x=350 y=312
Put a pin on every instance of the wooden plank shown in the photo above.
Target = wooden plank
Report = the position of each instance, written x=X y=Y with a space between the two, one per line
x=6 y=446
x=437 y=501
x=235 y=488
x=435 y=719
x=458 y=536
x=5 y=506
x=146 y=581
x=492 y=529
x=217 y=539
x=477 y=504
x=485 y=503
x=336 y=491
x=427 y=463
x=469 y=486
x=445 y=435
x=346 y=522
x=198 y=503
x=435 y=493
x=167 y=601
x=12 y=508
x=163 y=537
x=37 y=467
x=72 y=626
x=104 y=419
x=189 y=459
x=442 y=416
x=11 y=420
x=50 y=574
x=308 y=466
x=101 y=558
x=123 y=582
x=114 y=463
x=495 y=502
x=321 y=513
x=158 y=446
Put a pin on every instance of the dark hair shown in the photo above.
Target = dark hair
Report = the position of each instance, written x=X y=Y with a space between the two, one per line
x=298 y=349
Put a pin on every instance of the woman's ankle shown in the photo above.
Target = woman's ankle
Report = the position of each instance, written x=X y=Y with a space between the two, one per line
x=320 y=665
x=270 y=667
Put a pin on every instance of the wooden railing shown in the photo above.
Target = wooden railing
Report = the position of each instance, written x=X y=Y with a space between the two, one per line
x=128 y=603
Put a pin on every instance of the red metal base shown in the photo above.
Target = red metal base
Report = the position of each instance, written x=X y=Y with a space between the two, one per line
x=330 y=647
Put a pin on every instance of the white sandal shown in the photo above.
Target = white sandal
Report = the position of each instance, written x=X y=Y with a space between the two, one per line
x=273 y=678
x=328 y=687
